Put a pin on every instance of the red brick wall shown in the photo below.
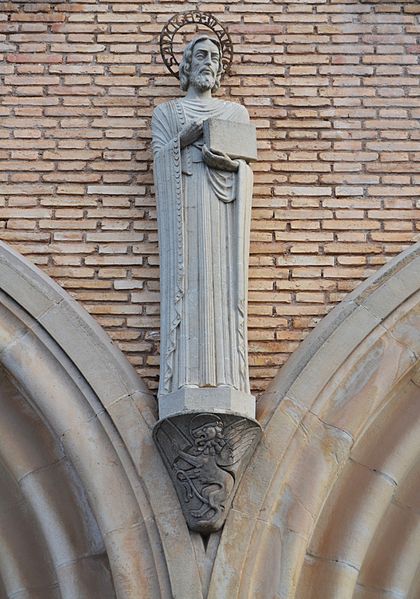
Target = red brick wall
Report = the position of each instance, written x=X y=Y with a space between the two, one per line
x=333 y=87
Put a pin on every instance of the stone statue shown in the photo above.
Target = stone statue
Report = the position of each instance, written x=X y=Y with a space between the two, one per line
x=204 y=196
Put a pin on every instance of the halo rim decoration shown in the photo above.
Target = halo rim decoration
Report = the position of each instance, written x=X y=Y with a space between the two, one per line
x=194 y=17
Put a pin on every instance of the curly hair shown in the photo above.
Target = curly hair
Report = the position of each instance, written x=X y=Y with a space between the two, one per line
x=185 y=66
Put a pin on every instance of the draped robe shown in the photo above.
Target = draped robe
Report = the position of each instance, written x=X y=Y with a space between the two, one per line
x=204 y=222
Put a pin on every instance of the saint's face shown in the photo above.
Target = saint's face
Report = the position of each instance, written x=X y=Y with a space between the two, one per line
x=204 y=65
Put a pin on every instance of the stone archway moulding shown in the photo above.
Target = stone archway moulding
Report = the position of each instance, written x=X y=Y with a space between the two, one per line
x=317 y=511
x=101 y=412
x=341 y=420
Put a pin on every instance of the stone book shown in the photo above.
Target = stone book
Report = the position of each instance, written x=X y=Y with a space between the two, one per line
x=237 y=140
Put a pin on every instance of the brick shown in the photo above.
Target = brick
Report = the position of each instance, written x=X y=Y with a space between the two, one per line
x=303 y=190
x=334 y=91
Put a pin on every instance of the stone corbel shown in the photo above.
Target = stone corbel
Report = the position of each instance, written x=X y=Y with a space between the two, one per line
x=205 y=454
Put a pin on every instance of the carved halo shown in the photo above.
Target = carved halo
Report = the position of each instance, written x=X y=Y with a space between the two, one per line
x=199 y=18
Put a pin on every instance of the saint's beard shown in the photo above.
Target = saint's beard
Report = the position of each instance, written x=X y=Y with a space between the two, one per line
x=202 y=81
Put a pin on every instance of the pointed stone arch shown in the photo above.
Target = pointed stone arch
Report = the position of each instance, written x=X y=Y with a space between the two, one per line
x=86 y=508
x=333 y=487
x=89 y=509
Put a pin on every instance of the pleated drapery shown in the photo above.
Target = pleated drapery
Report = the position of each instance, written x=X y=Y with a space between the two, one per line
x=203 y=218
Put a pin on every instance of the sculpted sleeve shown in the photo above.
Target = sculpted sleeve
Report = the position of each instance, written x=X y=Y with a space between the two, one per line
x=168 y=185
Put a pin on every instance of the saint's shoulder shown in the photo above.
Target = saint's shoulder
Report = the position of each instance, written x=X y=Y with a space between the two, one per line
x=162 y=109
x=238 y=112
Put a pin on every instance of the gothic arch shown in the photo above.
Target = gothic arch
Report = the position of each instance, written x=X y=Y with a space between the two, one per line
x=84 y=499
x=327 y=508
x=329 y=505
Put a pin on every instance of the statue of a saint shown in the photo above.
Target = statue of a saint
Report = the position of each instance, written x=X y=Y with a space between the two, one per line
x=206 y=432
x=204 y=205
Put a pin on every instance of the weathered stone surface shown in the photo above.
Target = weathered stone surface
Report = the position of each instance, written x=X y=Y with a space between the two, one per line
x=205 y=455
x=79 y=514
x=238 y=140
x=219 y=400
x=335 y=454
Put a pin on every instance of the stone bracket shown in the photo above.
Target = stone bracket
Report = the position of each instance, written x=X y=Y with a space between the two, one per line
x=222 y=399
x=205 y=454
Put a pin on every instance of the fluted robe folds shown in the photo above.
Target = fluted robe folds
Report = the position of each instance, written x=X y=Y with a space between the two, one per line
x=204 y=222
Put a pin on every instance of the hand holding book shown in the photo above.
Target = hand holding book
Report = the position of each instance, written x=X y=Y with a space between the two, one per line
x=219 y=160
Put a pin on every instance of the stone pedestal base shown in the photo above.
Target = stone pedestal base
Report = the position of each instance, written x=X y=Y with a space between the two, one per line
x=206 y=454
x=221 y=399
